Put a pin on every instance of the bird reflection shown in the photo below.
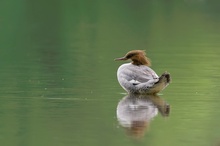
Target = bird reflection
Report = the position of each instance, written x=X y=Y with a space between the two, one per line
x=134 y=112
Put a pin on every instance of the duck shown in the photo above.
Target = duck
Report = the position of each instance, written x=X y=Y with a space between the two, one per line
x=137 y=77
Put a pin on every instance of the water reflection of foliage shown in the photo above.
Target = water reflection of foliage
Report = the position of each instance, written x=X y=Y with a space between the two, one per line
x=134 y=112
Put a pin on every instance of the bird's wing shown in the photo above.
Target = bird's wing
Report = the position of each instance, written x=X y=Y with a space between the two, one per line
x=134 y=82
x=143 y=76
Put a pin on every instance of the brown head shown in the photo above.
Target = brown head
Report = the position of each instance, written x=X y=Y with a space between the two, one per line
x=138 y=57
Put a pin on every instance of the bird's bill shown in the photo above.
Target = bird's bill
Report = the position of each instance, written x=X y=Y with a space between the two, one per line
x=122 y=58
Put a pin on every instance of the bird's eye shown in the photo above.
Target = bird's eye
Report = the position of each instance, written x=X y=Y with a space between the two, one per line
x=130 y=55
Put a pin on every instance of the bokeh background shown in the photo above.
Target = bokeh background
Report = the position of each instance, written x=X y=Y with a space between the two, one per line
x=58 y=78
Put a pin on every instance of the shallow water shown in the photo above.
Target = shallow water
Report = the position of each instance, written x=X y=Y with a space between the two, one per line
x=58 y=77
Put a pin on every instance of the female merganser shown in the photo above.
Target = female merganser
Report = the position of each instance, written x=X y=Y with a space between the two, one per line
x=137 y=77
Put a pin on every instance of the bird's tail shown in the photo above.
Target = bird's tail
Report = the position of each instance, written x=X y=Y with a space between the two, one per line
x=163 y=82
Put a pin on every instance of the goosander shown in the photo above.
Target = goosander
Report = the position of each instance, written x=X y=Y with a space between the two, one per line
x=137 y=77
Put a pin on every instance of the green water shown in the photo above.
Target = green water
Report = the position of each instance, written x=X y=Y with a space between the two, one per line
x=58 y=78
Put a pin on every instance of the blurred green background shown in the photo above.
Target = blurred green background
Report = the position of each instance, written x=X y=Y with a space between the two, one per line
x=58 y=78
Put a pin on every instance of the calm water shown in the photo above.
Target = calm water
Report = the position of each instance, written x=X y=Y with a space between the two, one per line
x=58 y=77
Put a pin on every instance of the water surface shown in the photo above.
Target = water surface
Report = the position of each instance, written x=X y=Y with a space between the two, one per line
x=58 y=77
